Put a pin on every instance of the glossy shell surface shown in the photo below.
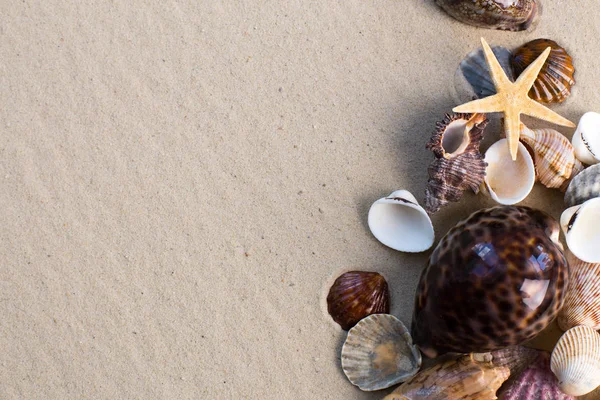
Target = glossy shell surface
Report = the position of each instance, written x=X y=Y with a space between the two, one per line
x=582 y=230
x=379 y=353
x=555 y=80
x=512 y=15
x=463 y=378
x=495 y=280
x=357 y=294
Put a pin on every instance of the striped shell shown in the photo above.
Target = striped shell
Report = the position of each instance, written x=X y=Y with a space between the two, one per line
x=582 y=302
x=355 y=295
x=585 y=186
x=553 y=156
x=576 y=361
x=379 y=353
x=555 y=80
x=463 y=378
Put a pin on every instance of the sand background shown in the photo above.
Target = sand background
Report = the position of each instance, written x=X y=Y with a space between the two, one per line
x=181 y=182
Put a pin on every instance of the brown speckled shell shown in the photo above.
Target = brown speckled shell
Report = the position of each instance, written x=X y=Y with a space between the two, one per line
x=493 y=14
x=451 y=174
x=553 y=84
x=355 y=295
x=495 y=280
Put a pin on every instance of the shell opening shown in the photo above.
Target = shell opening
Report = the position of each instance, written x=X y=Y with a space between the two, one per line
x=456 y=138
x=583 y=233
x=507 y=181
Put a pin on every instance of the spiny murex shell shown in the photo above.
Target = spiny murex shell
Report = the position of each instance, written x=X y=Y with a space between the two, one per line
x=576 y=361
x=554 y=82
x=581 y=226
x=511 y=15
x=582 y=302
x=536 y=382
x=584 y=186
x=554 y=157
x=506 y=181
x=379 y=353
x=458 y=165
x=586 y=139
x=399 y=222
x=473 y=80
x=463 y=378
x=357 y=294
x=495 y=280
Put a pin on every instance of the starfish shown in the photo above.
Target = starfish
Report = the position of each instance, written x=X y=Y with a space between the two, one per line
x=512 y=99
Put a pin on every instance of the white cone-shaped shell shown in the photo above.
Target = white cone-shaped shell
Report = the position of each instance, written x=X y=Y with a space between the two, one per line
x=379 y=353
x=507 y=181
x=399 y=222
x=576 y=361
x=581 y=226
x=586 y=139
x=582 y=302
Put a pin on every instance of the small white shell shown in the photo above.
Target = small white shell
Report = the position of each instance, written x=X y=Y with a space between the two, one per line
x=379 y=352
x=507 y=181
x=581 y=226
x=582 y=301
x=399 y=222
x=576 y=361
x=586 y=139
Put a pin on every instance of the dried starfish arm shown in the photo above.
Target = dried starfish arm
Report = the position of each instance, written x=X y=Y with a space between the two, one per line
x=528 y=77
x=512 y=129
x=496 y=72
x=486 y=105
x=535 y=109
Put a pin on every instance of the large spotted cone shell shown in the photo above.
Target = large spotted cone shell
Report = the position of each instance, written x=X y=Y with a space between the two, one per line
x=553 y=84
x=463 y=378
x=357 y=294
x=582 y=302
x=495 y=280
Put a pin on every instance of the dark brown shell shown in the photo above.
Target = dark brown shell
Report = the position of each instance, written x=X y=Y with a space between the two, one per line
x=553 y=84
x=451 y=173
x=495 y=280
x=356 y=295
x=514 y=15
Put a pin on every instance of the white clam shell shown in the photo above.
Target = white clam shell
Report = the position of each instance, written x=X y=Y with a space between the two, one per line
x=379 y=353
x=586 y=139
x=576 y=361
x=507 y=181
x=581 y=226
x=399 y=222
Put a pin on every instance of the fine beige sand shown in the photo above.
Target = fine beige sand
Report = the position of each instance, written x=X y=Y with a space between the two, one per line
x=182 y=180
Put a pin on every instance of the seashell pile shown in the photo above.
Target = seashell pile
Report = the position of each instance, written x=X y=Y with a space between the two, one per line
x=499 y=277
x=379 y=353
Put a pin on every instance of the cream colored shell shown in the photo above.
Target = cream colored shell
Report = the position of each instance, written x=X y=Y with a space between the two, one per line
x=576 y=361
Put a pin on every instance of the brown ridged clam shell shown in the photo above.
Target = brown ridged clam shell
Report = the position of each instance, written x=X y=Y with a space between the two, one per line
x=512 y=15
x=458 y=165
x=582 y=302
x=356 y=295
x=555 y=80
x=496 y=279
x=463 y=378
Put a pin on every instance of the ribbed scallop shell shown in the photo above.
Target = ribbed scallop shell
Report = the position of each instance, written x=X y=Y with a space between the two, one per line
x=357 y=294
x=554 y=157
x=553 y=84
x=516 y=358
x=535 y=383
x=472 y=79
x=458 y=165
x=584 y=186
x=379 y=353
x=576 y=361
x=463 y=378
x=582 y=302
x=512 y=15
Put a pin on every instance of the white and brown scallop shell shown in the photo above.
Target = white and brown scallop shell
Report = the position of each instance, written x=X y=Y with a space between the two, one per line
x=576 y=361
x=582 y=301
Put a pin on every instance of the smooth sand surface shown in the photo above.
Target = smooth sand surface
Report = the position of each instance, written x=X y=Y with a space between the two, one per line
x=181 y=181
